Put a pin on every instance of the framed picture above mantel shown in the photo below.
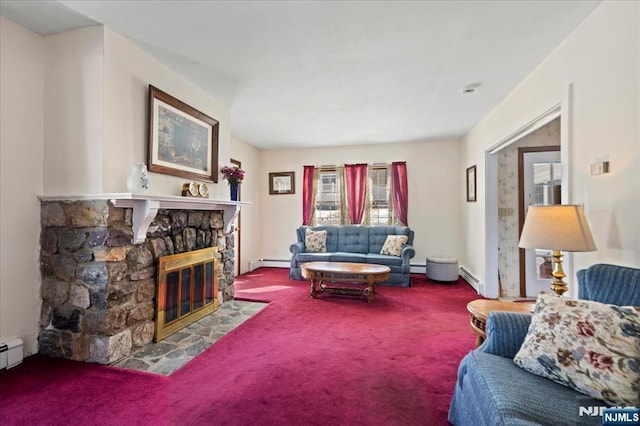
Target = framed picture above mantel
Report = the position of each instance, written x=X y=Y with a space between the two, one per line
x=182 y=140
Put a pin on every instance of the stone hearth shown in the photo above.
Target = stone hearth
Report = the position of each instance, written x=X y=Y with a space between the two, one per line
x=98 y=288
x=170 y=354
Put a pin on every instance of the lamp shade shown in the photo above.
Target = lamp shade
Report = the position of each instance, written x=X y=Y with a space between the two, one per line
x=557 y=227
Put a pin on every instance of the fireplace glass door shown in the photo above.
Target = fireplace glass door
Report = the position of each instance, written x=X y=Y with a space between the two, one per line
x=187 y=290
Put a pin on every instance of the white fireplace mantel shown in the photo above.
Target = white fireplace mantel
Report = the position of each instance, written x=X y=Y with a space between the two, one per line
x=145 y=208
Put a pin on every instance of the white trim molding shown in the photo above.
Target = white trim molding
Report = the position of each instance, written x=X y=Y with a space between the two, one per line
x=544 y=118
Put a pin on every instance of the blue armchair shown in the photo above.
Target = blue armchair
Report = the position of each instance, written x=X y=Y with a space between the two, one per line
x=492 y=390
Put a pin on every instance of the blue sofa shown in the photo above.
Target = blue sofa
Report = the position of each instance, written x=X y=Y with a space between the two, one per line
x=492 y=390
x=359 y=244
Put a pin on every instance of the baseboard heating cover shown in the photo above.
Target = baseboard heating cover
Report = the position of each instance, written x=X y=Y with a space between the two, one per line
x=276 y=263
x=10 y=353
x=255 y=264
x=471 y=279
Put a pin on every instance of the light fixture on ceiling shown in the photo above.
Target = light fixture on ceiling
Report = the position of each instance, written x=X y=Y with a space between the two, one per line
x=470 y=88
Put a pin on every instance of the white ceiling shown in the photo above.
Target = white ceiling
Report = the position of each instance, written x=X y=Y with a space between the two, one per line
x=325 y=73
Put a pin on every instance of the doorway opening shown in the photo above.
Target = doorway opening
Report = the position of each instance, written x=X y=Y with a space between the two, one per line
x=503 y=203
x=539 y=184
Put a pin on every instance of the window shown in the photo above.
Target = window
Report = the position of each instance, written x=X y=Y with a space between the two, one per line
x=328 y=208
x=379 y=212
x=330 y=205
x=547 y=182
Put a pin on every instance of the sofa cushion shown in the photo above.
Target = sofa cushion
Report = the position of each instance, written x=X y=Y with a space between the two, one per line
x=353 y=239
x=315 y=241
x=378 y=235
x=495 y=391
x=383 y=259
x=313 y=257
x=588 y=346
x=393 y=245
x=342 y=256
x=332 y=235
x=613 y=284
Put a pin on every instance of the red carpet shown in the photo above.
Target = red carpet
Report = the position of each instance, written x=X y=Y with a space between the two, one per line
x=300 y=361
x=53 y=391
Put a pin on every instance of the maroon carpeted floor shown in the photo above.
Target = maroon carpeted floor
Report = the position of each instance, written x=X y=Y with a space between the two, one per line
x=300 y=361
x=53 y=391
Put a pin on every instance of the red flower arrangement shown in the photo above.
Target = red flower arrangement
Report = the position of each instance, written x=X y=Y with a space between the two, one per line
x=233 y=174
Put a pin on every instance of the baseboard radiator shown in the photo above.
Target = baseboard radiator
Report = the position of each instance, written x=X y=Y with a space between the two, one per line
x=10 y=353
x=472 y=280
x=275 y=263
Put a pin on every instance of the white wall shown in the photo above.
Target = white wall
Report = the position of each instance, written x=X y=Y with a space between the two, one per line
x=250 y=216
x=128 y=71
x=434 y=181
x=73 y=119
x=601 y=59
x=21 y=156
x=96 y=102
x=74 y=108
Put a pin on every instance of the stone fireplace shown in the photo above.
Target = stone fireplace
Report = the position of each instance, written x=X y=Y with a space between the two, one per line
x=99 y=259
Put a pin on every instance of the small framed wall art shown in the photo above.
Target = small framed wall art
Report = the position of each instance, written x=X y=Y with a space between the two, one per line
x=282 y=183
x=182 y=140
x=471 y=183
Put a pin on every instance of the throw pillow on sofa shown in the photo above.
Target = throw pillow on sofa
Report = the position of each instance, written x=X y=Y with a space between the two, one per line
x=394 y=244
x=315 y=241
x=591 y=347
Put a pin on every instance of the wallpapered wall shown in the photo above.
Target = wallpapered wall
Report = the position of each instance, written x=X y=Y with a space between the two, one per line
x=509 y=262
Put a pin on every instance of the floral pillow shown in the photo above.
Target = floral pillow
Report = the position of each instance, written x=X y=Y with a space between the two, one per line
x=315 y=241
x=394 y=244
x=591 y=347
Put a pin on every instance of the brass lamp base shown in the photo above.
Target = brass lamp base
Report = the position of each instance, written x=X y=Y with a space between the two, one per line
x=557 y=284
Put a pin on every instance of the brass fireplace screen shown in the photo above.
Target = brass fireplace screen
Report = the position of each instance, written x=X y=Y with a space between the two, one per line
x=187 y=290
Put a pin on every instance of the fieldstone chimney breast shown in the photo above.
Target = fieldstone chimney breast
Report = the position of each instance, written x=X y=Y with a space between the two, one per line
x=98 y=288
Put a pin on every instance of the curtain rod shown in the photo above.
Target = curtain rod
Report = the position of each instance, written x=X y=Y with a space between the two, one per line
x=333 y=166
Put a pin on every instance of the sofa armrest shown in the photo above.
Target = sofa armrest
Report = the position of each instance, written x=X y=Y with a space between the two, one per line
x=297 y=248
x=505 y=333
x=407 y=253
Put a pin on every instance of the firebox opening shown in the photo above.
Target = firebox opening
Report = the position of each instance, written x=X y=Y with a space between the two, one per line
x=187 y=290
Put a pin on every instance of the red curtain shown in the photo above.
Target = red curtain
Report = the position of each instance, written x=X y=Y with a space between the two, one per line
x=307 y=195
x=400 y=191
x=355 y=178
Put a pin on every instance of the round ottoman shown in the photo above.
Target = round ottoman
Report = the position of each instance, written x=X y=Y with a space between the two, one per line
x=442 y=268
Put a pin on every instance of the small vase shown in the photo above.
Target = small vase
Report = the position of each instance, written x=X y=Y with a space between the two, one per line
x=138 y=180
x=233 y=188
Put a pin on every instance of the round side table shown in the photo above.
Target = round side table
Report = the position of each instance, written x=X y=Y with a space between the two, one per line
x=479 y=310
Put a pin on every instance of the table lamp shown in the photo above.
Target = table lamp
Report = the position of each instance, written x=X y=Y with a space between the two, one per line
x=558 y=228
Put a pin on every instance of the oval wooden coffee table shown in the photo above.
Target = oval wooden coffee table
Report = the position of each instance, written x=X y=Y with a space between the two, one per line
x=333 y=277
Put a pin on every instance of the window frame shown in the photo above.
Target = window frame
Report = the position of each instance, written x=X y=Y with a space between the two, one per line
x=339 y=208
x=336 y=206
x=373 y=204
